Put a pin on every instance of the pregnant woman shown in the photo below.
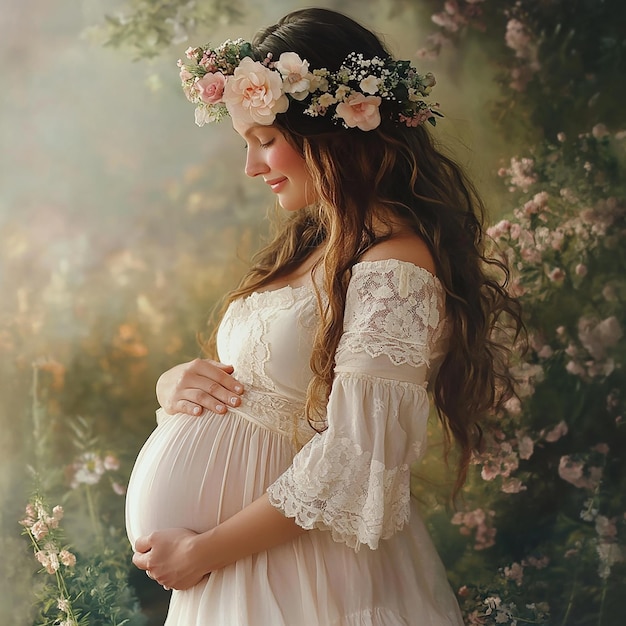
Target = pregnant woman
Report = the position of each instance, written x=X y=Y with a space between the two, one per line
x=275 y=490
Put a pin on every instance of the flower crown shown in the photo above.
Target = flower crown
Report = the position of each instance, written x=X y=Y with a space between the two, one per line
x=227 y=80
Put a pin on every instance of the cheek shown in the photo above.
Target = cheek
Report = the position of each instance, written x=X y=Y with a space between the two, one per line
x=287 y=160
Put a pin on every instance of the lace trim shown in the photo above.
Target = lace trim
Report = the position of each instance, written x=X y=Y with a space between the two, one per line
x=282 y=295
x=277 y=414
x=393 y=308
x=346 y=492
x=257 y=312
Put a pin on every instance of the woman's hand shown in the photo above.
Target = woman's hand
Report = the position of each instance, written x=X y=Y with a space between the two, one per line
x=198 y=385
x=168 y=556
x=178 y=558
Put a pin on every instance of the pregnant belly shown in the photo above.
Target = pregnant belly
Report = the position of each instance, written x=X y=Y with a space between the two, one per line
x=195 y=472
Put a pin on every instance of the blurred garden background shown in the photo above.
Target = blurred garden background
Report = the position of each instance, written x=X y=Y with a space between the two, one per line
x=122 y=223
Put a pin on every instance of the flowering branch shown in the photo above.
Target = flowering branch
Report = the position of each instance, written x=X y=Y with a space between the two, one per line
x=149 y=26
x=40 y=525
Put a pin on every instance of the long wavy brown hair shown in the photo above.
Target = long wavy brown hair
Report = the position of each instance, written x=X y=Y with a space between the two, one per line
x=393 y=174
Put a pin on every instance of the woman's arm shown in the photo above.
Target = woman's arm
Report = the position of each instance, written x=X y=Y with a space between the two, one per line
x=179 y=558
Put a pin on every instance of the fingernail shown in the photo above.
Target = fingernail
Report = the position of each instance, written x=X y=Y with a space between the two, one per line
x=219 y=408
x=238 y=388
x=234 y=400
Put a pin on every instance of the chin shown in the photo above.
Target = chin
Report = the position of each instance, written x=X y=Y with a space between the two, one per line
x=291 y=207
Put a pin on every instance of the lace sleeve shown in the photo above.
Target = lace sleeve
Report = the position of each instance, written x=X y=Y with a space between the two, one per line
x=353 y=479
x=392 y=308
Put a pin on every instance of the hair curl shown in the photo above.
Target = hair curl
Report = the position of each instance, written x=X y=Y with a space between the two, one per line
x=391 y=173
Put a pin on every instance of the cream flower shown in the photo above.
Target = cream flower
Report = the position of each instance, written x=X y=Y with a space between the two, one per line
x=319 y=81
x=326 y=100
x=210 y=87
x=342 y=92
x=369 y=84
x=185 y=74
x=428 y=82
x=296 y=75
x=202 y=116
x=256 y=92
x=360 y=111
x=191 y=52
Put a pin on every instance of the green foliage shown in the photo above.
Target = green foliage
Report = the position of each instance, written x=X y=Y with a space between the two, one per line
x=147 y=27
x=545 y=506
x=581 y=51
x=548 y=508
x=562 y=55
x=102 y=593
x=86 y=582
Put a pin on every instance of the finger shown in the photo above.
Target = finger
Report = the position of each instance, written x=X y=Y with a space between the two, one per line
x=229 y=369
x=212 y=397
x=193 y=401
x=217 y=372
x=205 y=391
x=140 y=560
x=189 y=408
x=143 y=544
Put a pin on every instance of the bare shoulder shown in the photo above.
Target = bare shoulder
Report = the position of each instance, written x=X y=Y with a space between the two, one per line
x=405 y=247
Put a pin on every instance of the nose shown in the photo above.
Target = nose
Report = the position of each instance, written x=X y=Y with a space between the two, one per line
x=255 y=164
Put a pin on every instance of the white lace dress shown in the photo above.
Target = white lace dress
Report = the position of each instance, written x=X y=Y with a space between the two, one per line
x=368 y=560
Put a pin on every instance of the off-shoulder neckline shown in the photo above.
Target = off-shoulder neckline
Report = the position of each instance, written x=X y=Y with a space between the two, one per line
x=392 y=261
x=308 y=290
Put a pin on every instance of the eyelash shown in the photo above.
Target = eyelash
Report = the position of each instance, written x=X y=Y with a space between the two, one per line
x=267 y=144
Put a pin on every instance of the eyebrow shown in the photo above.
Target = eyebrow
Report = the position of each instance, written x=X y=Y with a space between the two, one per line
x=254 y=128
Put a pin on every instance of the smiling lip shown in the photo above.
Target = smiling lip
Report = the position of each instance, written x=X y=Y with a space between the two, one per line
x=277 y=183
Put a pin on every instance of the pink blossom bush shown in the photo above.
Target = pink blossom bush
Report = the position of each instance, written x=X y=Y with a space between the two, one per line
x=555 y=457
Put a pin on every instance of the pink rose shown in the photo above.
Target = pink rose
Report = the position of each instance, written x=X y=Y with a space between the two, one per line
x=210 y=87
x=360 y=111
x=256 y=92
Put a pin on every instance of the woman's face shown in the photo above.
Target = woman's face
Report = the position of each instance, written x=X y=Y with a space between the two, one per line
x=281 y=166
